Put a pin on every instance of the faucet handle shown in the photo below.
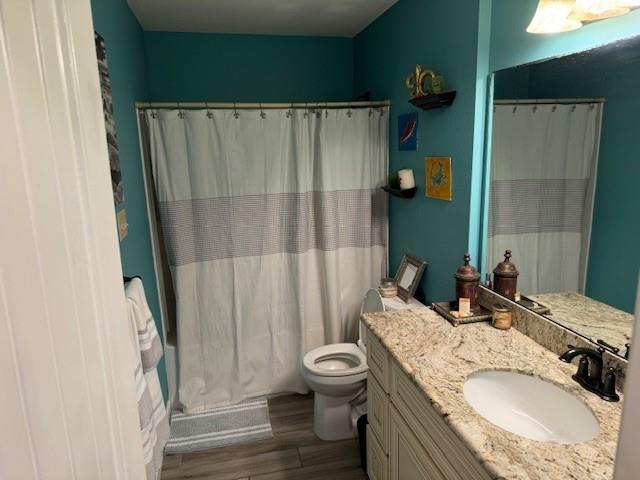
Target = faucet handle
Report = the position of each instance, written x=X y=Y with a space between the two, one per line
x=583 y=368
x=609 y=386
x=606 y=345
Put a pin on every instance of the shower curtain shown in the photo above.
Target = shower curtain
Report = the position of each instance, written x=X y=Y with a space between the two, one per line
x=275 y=227
x=542 y=186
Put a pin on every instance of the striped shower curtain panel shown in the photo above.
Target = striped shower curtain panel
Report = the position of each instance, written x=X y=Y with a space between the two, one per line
x=542 y=187
x=275 y=227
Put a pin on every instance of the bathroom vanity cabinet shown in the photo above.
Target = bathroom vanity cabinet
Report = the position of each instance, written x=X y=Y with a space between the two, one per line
x=406 y=438
x=422 y=427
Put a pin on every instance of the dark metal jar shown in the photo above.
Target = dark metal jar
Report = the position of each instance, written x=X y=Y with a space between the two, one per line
x=467 y=282
x=505 y=277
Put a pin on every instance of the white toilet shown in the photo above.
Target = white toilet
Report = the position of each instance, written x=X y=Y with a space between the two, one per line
x=337 y=373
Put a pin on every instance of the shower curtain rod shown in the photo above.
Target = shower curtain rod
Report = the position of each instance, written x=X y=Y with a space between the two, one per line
x=548 y=101
x=258 y=106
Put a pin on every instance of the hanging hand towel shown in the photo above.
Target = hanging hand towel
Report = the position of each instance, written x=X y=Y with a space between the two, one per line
x=147 y=334
x=147 y=349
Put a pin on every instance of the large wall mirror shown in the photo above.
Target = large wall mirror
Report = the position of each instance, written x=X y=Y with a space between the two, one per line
x=565 y=187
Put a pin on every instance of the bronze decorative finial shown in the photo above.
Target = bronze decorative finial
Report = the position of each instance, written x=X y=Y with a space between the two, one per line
x=415 y=81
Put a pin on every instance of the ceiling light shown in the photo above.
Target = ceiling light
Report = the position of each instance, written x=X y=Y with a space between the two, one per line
x=552 y=16
x=590 y=10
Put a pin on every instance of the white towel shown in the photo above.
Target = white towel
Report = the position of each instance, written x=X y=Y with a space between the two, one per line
x=147 y=334
x=147 y=350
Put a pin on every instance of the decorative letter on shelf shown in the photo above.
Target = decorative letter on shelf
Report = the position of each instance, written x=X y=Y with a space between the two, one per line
x=434 y=96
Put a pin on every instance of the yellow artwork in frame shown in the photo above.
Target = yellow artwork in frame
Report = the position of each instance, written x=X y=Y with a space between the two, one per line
x=438 y=177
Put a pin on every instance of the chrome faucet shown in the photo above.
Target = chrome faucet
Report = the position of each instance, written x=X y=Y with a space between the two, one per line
x=589 y=374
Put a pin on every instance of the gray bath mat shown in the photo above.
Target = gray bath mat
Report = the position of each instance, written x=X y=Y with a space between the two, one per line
x=245 y=422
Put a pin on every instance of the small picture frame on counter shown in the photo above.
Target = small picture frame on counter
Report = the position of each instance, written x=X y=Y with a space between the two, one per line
x=408 y=276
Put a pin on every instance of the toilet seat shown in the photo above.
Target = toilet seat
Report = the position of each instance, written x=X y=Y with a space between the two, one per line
x=337 y=374
x=336 y=360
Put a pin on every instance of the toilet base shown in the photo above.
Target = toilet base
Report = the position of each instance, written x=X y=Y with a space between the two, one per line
x=332 y=417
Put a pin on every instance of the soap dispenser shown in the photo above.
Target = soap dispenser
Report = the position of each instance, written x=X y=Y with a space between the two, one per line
x=467 y=284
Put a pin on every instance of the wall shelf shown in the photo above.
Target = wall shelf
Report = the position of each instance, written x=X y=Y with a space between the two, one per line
x=396 y=192
x=434 y=100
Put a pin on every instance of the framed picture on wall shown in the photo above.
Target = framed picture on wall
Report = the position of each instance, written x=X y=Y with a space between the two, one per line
x=408 y=276
x=408 y=132
x=438 y=179
x=109 y=121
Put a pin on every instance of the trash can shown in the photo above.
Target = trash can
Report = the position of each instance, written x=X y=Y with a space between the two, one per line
x=362 y=439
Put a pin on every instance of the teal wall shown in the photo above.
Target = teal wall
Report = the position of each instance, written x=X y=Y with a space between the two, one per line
x=248 y=68
x=614 y=256
x=511 y=45
x=482 y=120
x=415 y=31
x=125 y=53
x=512 y=83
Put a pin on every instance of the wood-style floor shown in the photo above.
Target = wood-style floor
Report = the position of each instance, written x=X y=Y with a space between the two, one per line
x=294 y=452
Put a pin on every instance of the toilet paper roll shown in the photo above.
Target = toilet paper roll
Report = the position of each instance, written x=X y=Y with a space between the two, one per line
x=406 y=179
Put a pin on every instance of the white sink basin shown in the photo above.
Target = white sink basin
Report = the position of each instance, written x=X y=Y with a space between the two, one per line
x=530 y=407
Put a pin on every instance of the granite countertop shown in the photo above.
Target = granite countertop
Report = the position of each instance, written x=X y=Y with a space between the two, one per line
x=588 y=317
x=438 y=357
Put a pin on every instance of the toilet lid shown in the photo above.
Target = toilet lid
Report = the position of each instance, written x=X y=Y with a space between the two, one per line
x=372 y=302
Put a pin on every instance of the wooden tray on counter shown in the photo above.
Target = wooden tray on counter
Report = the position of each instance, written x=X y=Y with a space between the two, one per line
x=526 y=302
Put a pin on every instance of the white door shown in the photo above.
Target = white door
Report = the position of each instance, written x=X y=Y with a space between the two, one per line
x=67 y=400
x=627 y=458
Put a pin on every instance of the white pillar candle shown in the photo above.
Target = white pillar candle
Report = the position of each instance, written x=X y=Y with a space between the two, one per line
x=406 y=179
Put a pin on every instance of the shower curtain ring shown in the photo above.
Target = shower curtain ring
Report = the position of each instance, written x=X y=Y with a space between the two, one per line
x=290 y=111
x=306 y=110
x=235 y=112
x=262 y=114
x=209 y=114
x=180 y=113
x=349 y=112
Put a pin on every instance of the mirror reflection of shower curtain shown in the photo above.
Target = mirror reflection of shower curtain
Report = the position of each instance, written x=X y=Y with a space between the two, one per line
x=275 y=228
x=543 y=172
